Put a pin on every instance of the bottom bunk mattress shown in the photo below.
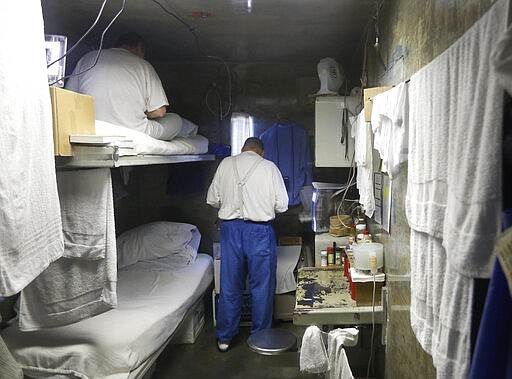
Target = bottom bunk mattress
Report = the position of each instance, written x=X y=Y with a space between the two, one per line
x=151 y=304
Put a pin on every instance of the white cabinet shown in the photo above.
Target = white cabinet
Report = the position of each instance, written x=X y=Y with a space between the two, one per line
x=329 y=149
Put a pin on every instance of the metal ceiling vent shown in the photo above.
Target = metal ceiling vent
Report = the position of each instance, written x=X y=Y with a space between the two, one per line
x=331 y=76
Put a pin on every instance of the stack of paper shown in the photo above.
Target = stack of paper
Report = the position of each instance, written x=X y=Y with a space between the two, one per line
x=123 y=145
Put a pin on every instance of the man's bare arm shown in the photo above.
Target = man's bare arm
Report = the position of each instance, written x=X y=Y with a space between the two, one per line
x=157 y=113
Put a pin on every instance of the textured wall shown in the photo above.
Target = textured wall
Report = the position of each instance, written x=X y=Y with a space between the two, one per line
x=412 y=33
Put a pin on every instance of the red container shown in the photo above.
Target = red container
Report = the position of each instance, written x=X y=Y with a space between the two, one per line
x=346 y=267
x=352 y=288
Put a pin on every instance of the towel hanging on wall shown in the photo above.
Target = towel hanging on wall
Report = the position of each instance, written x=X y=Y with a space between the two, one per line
x=82 y=283
x=30 y=226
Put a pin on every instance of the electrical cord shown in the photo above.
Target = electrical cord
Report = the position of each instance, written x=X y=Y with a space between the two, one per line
x=99 y=48
x=219 y=98
x=372 y=21
x=373 y=329
x=350 y=184
x=192 y=30
x=81 y=38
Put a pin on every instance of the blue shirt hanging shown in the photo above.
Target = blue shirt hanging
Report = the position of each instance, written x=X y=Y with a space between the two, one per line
x=287 y=145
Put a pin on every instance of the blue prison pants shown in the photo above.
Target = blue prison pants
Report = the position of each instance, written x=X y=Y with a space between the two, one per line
x=248 y=255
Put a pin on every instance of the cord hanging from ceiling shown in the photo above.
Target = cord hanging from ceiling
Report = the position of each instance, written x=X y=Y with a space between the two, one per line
x=222 y=114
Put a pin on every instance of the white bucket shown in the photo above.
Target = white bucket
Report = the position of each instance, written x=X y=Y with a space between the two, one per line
x=362 y=253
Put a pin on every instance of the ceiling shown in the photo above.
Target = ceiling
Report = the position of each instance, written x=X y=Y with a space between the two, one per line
x=270 y=31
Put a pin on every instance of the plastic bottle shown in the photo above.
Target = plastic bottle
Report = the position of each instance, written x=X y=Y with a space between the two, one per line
x=338 y=256
x=323 y=258
x=330 y=256
x=360 y=229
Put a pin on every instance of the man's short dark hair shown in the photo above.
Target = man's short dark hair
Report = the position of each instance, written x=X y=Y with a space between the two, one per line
x=131 y=39
x=253 y=142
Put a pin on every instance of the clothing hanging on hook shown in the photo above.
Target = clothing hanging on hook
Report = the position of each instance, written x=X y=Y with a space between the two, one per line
x=287 y=145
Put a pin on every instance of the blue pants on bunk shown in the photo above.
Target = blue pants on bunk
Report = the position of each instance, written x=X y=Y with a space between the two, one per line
x=248 y=250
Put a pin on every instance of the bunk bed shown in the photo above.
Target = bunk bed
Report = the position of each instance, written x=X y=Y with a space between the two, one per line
x=157 y=303
x=156 y=300
x=143 y=150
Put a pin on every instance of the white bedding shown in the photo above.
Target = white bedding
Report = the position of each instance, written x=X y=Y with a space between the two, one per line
x=144 y=144
x=150 y=306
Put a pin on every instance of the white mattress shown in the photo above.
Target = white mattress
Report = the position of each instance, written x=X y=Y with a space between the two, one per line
x=144 y=144
x=150 y=306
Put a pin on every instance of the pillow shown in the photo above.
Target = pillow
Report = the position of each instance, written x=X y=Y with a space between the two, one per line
x=157 y=240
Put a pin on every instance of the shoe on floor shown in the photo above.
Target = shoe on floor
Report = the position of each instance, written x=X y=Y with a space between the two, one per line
x=223 y=346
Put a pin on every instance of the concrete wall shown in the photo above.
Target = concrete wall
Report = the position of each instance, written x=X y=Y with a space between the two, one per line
x=412 y=34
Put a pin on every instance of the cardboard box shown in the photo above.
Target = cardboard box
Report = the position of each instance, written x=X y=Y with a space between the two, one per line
x=364 y=293
x=368 y=93
x=73 y=113
x=284 y=305
x=290 y=240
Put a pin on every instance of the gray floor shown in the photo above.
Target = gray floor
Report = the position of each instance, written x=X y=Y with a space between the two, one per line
x=202 y=360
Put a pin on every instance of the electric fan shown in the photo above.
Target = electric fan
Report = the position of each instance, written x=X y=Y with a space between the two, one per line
x=331 y=76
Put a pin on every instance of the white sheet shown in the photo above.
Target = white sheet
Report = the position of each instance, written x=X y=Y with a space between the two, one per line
x=144 y=144
x=287 y=258
x=110 y=345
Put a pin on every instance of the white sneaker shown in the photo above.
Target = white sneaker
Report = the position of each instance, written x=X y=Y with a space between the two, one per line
x=223 y=346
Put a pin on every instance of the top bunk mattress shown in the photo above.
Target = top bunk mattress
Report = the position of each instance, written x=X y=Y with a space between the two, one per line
x=133 y=148
x=143 y=144
x=151 y=305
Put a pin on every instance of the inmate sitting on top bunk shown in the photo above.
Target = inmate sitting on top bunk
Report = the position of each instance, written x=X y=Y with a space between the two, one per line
x=126 y=89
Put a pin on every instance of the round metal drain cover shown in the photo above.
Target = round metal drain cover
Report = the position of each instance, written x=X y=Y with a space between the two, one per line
x=272 y=341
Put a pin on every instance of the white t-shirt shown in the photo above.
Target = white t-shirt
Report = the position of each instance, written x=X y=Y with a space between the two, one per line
x=123 y=86
x=264 y=193
x=390 y=124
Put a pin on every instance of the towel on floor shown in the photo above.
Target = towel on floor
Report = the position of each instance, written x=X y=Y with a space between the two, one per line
x=313 y=355
x=82 y=283
x=30 y=226
x=363 y=152
x=390 y=121
x=474 y=156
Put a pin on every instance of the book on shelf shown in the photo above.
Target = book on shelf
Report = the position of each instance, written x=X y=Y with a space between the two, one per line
x=95 y=139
